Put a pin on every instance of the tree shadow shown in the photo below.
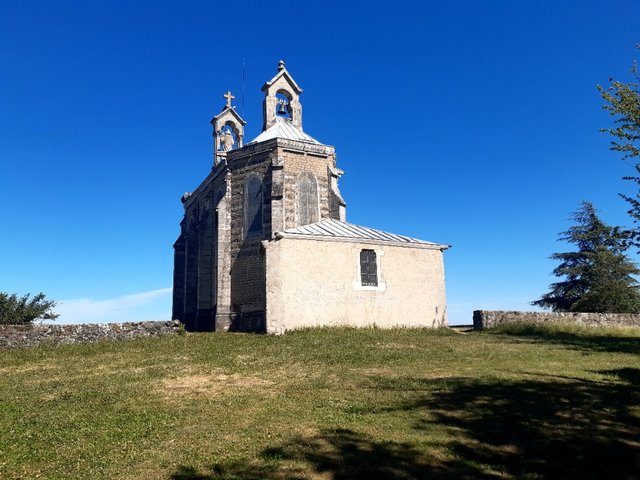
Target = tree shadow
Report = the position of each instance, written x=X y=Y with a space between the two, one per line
x=595 y=342
x=548 y=427
x=189 y=473
x=340 y=454
x=626 y=374
x=559 y=427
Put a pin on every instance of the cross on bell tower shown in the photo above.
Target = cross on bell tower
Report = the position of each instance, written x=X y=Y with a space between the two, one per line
x=229 y=97
x=228 y=130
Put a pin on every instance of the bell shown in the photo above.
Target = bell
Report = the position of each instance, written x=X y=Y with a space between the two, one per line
x=282 y=109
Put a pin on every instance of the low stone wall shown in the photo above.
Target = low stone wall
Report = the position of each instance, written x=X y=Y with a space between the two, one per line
x=492 y=318
x=32 y=335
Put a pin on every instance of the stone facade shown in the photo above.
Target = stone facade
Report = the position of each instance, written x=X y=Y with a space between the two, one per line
x=219 y=269
x=281 y=180
x=492 y=318
x=33 y=335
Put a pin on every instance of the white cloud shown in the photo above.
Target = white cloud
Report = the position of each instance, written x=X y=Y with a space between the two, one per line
x=151 y=305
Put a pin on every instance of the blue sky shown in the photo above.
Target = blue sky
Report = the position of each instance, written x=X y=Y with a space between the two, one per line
x=471 y=123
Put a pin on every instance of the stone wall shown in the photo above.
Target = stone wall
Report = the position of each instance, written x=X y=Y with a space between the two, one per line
x=296 y=163
x=247 y=262
x=492 y=318
x=33 y=335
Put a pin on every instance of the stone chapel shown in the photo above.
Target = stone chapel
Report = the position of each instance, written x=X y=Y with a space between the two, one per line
x=264 y=244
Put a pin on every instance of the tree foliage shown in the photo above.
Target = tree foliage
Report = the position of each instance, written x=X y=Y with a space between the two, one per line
x=16 y=310
x=598 y=276
x=623 y=103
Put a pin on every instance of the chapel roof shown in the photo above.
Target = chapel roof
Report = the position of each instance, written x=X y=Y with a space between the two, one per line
x=283 y=128
x=338 y=230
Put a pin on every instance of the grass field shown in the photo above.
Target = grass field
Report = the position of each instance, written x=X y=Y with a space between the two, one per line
x=521 y=403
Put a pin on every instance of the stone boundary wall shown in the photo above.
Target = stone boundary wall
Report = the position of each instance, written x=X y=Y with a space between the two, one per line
x=492 y=318
x=33 y=335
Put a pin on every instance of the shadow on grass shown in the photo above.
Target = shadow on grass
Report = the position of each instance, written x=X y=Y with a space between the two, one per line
x=582 y=340
x=340 y=454
x=540 y=429
x=550 y=428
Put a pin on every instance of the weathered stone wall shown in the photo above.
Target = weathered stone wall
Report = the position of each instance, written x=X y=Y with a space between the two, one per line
x=492 y=318
x=247 y=262
x=196 y=254
x=278 y=163
x=32 y=335
x=296 y=163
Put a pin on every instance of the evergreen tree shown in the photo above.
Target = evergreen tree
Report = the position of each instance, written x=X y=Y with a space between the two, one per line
x=597 y=277
x=623 y=103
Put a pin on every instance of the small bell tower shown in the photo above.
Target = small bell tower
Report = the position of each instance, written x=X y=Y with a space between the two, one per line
x=228 y=130
x=281 y=100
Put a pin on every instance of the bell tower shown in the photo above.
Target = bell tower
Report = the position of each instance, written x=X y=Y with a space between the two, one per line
x=282 y=100
x=228 y=130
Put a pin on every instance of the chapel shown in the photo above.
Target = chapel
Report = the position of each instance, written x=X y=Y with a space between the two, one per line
x=265 y=246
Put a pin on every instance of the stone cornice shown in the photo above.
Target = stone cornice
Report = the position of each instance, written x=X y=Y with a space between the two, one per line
x=294 y=145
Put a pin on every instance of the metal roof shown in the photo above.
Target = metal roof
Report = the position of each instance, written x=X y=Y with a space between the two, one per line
x=335 y=229
x=284 y=129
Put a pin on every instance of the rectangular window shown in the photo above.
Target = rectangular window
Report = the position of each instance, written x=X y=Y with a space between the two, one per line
x=368 y=268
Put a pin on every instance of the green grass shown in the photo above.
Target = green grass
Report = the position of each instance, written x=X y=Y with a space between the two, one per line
x=521 y=403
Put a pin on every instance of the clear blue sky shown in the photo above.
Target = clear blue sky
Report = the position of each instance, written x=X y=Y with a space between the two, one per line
x=471 y=123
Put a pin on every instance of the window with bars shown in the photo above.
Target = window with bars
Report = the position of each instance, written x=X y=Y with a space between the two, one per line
x=368 y=268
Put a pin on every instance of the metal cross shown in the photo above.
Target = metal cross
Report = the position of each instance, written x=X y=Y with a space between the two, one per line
x=229 y=97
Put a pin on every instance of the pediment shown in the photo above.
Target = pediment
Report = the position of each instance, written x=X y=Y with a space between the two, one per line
x=283 y=76
x=228 y=112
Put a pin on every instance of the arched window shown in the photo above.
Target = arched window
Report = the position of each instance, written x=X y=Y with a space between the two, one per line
x=307 y=201
x=253 y=205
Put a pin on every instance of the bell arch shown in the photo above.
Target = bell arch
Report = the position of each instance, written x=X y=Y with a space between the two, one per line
x=283 y=104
